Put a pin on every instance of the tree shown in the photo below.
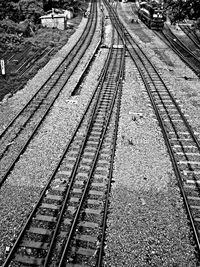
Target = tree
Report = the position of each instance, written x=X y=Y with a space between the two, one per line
x=18 y=10
x=182 y=9
x=30 y=9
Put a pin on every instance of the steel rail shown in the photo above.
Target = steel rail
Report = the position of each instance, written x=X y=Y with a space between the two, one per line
x=172 y=98
x=161 y=123
x=130 y=40
x=75 y=167
x=33 y=113
x=170 y=44
x=10 y=167
x=9 y=258
x=43 y=56
x=106 y=206
x=19 y=238
x=72 y=229
x=99 y=91
x=171 y=35
x=37 y=92
x=190 y=35
x=189 y=58
x=31 y=61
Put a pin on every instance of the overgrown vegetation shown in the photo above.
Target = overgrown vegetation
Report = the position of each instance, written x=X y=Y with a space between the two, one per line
x=20 y=27
x=20 y=19
x=179 y=10
x=19 y=10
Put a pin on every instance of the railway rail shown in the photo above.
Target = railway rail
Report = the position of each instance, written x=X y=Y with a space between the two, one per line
x=186 y=41
x=181 y=140
x=188 y=57
x=191 y=34
x=21 y=130
x=67 y=225
x=186 y=53
x=22 y=62
x=29 y=63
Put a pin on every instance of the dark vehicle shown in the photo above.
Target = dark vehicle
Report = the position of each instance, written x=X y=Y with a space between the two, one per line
x=152 y=15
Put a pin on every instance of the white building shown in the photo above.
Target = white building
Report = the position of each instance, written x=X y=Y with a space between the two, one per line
x=56 y=20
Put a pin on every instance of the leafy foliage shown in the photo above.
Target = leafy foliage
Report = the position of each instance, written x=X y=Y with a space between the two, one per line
x=182 y=9
x=21 y=10
x=30 y=9
x=20 y=19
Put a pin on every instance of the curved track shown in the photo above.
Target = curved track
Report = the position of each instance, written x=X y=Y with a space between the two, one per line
x=21 y=130
x=191 y=34
x=188 y=57
x=181 y=141
x=185 y=40
x=67 y=225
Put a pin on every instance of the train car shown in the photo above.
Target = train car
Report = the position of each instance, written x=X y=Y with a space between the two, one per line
x=151 y=14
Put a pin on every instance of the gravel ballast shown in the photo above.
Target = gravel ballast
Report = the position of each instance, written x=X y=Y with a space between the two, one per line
x=36 y=164
x=10 y=106
x=170 y=66
x=147 y=223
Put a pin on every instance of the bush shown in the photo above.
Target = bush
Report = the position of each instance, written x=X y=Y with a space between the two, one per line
x=197 y=25
x=9 y=26
x=10 y=41
x=31 y=9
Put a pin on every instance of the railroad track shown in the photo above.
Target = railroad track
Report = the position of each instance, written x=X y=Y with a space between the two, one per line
x=21 y=130
x=181 y=141
x=191 y=34
x=67 y=225
x=15 y=60
x=27 y=65
x=22 y=62
x=188 y=57
x=186 y=41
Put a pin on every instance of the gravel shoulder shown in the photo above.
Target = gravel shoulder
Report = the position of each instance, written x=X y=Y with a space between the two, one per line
x=10 y=106
x=23 y=186
x=147 y=223
x=171 y=68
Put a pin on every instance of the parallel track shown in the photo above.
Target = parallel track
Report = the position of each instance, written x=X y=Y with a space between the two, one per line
x=188 y=57
x=21 y=130
x=181 y=141
x=183 y=39
x=67 y=225
x=22 y=62
x=29 y=64
x=191 y=34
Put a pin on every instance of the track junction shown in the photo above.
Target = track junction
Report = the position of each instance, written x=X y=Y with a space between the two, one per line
x=67 y=226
